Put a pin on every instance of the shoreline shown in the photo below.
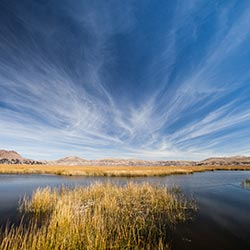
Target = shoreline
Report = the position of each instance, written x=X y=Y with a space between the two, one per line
x=114 y=171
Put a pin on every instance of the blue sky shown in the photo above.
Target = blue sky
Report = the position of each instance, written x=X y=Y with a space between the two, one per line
x=128 y=79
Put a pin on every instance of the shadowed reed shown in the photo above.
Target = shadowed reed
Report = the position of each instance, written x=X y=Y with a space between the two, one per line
x=102 y=216
x=245 y=183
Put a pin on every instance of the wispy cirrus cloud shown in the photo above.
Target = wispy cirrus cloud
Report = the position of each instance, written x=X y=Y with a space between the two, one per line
x=125 y=79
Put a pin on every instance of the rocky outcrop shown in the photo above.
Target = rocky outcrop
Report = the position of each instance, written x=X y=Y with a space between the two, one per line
x=16 y=161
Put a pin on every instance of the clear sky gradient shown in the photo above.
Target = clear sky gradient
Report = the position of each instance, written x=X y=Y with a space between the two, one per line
x=125 y=79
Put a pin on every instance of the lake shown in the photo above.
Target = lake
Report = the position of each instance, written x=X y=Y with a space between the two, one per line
x=222 y=221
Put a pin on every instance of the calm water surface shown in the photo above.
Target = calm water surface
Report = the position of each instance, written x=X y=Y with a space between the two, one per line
x=222 y=222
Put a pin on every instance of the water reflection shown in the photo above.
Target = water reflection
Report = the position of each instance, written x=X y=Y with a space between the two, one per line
x=222 y=222
x=245 y=183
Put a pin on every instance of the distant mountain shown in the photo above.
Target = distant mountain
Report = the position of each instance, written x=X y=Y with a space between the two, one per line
x=218 y=161
x=235 y=160
x=12 y=157
x=73 y=161
x=69 y=161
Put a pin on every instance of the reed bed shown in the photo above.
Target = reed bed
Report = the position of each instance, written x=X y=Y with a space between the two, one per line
x=246 y=183
x=126 y=171
x=98 y=217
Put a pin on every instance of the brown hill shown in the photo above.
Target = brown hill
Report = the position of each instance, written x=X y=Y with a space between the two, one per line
x=74 y=161
x=235 y=160
x=10 y=155
x=69 y=161
x=217 y=161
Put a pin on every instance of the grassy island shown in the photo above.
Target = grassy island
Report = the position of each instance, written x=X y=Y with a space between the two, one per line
x=101 y=216
x=128 y=171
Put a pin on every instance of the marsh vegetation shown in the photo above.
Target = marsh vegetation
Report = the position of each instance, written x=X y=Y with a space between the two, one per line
x=119 y=171
x=101 y=216
x=246 y=183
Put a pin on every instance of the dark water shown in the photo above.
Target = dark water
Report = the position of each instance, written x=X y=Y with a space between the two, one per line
x=222 y=222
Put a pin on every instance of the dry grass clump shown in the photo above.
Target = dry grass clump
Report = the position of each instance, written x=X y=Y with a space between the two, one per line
x=43 y=200
x=102 y=216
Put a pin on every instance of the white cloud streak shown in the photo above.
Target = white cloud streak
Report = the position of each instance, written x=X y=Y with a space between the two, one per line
x=49 y=111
